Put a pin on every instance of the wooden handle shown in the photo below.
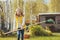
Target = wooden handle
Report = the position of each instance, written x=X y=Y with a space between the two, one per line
x=12 y=31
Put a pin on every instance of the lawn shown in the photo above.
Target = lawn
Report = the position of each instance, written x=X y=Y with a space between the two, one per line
x=35 y=38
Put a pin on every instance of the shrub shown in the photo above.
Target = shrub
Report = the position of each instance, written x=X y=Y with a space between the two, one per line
x=38 y=30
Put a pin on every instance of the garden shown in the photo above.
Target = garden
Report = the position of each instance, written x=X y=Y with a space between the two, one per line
x=31 y=10
x=35 y=32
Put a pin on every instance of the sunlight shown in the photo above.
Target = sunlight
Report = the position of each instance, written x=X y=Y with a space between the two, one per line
x=2 y=0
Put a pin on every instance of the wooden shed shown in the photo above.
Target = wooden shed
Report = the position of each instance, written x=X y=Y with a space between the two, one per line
x=54 y=16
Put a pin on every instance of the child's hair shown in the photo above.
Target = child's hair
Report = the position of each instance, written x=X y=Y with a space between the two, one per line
x=18 y=9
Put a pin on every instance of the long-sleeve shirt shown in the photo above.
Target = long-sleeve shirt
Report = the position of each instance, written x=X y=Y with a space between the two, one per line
x=20 y=22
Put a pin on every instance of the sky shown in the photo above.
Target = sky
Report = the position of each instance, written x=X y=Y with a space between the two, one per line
x=46 y=1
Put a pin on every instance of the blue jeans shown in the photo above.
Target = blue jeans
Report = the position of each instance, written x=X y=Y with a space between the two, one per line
x=20 y=33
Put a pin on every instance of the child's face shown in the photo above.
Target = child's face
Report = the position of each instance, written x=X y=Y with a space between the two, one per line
x=18 y=12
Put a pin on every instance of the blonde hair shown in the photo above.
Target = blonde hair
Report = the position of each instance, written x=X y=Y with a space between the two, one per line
x=19 y=9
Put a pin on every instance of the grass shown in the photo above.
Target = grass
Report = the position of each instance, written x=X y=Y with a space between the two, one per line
x=35 y=38
x=45 y=38
x=57 y=37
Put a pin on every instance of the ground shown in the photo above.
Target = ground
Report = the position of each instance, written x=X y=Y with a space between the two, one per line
x=35 y=38
x=57 y=37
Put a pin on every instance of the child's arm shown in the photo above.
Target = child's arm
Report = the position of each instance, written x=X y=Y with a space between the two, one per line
x=23 y=22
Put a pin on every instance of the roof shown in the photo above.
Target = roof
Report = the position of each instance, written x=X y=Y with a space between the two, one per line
x=49 y=14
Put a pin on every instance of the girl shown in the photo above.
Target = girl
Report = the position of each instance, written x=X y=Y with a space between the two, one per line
x=20 y=22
